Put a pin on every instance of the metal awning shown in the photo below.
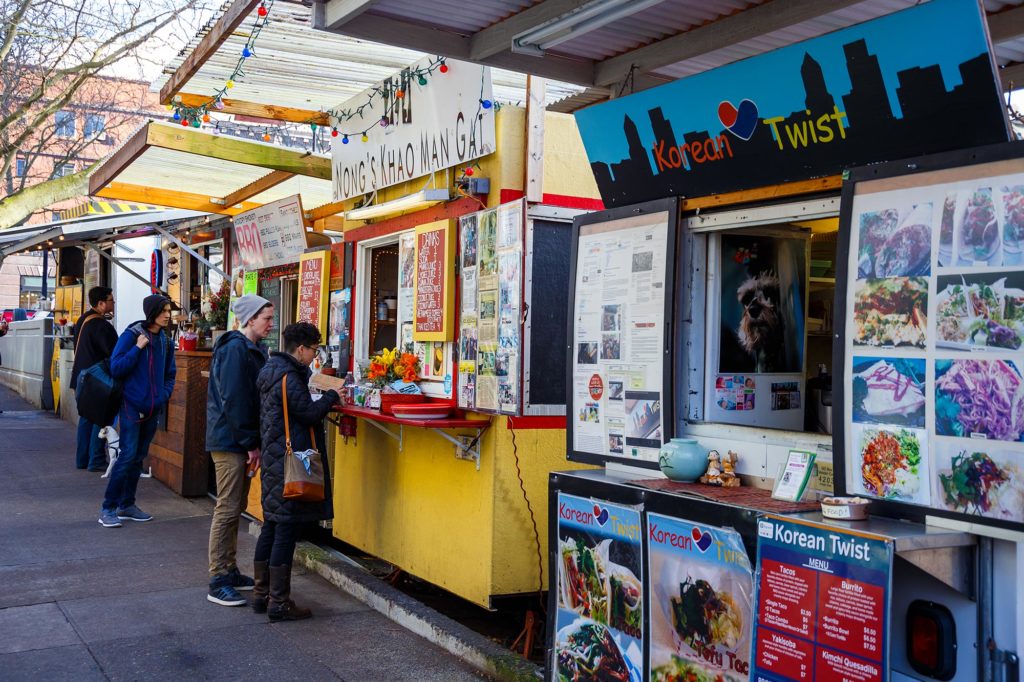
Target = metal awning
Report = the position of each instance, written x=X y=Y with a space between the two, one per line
x=296 y=72
x=92 y=229
x=181 y=167
x=626 y=45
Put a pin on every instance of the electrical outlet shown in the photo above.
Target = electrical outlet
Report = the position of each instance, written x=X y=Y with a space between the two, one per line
x=463 y=452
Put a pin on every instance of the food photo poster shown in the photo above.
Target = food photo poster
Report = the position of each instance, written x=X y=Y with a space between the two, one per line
x=935 y=341
x=600 y=622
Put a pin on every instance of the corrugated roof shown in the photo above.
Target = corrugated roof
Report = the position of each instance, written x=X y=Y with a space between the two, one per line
x=299 y=67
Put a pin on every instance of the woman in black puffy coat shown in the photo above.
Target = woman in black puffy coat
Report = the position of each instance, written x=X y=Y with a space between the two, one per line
x=282 y=519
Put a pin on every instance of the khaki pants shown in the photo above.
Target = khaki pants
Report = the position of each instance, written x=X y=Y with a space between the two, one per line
x=232 y=492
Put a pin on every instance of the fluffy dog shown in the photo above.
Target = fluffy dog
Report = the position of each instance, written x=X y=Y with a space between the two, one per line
x=113 y=448
x=762 y=330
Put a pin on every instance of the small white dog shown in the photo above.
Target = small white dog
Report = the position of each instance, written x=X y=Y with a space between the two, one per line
x=113 y=447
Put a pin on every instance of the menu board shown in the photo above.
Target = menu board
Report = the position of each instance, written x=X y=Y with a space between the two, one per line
x=599 y=627
x=434 y=298
x=313 y=292
x=490 y=322
x=823 y=596
x=934 y=327
x=618 y=360
x=272 y=234
x=700 y=601
x=270 y=289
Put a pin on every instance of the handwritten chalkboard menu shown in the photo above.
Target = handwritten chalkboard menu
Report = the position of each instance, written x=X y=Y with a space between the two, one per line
x=823 y=597
x=433 y=317
x=313 y=280
x=270 y=289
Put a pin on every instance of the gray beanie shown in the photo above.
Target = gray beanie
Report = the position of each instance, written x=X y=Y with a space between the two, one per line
x=246 y=307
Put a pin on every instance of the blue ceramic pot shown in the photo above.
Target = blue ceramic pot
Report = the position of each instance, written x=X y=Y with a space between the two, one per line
x=683 y=459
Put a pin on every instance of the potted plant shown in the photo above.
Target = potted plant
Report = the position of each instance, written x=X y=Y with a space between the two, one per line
x=395 y=374
x=219 y=302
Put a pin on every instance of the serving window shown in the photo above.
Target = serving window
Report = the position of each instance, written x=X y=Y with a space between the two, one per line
x=756 y=334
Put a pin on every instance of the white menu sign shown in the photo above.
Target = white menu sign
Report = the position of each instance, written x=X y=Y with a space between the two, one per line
x=429 y=128
x=273 y=234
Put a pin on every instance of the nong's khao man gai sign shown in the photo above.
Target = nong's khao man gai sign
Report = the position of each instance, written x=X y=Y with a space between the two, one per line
x=430 y=128
x=877 y=91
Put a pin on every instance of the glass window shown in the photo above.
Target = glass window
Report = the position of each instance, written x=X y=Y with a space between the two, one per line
x=21 y=166
x=61 y=170
x=65 y=122
x=31 y=289
x=94 y=125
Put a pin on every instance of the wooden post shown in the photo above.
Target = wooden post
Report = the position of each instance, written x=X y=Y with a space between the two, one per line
x=533 y=166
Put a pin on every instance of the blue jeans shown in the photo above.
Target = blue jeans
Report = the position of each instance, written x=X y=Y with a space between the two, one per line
x=124 y=477
x=90 y=447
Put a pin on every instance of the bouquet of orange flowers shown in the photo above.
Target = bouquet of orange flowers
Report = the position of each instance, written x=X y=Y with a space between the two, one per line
x=390 y=365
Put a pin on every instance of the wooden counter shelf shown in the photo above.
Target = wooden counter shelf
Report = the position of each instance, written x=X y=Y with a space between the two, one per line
x=377 y=419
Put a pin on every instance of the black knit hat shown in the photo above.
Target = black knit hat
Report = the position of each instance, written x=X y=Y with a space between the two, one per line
x=152 y=305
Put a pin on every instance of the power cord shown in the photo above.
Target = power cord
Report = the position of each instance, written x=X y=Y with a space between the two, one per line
x=533 y=518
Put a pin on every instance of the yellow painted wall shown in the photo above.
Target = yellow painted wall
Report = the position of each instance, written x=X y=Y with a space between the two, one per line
x=422 y=509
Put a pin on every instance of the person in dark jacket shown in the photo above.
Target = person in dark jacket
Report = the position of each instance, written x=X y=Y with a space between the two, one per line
x=233 y=439
x=93 y=342
x=283 y=518
x=143 y=360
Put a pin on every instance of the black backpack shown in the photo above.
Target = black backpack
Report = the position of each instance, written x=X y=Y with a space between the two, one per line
x=99 y=394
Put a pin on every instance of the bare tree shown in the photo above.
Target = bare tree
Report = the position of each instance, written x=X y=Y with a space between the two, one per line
x=56 y=55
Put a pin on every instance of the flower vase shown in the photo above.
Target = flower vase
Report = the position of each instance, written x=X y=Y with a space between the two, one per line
x=682 y=459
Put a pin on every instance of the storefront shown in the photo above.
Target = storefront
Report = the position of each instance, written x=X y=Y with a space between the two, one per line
x=449 y=263
x=733 y=296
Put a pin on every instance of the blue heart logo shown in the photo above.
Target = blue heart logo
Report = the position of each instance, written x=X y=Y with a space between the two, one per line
x=601 y=515
x=702 y=538
x=740 y=121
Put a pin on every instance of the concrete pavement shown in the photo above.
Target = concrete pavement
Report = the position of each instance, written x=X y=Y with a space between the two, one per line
x=82 y=602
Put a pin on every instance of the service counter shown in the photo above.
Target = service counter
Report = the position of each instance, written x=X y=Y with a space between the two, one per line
x=178 y=454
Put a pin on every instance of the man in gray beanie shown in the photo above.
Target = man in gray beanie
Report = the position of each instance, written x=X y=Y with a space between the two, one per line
x=233 y=439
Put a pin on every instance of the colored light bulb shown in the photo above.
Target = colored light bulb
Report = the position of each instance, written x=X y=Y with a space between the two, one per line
x=344 y=139
x=444 y=68
x=246 y=53
x=486 y=103
x=262 y=11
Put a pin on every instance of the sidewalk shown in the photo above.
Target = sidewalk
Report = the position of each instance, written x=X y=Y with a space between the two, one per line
x=82 y=602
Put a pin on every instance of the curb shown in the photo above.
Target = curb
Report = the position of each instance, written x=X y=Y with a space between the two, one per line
x=469 y=646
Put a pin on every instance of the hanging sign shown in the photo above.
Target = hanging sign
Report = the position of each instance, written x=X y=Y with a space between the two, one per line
x=434 y=298
x=859 y=95
x=600 y=621
x=313 y=279
x=432 y=126
x=823 y=596
x=337 y=266
x=273 y=234
x=701 y=601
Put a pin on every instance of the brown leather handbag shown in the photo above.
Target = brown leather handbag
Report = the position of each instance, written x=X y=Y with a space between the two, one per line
x=303 y=471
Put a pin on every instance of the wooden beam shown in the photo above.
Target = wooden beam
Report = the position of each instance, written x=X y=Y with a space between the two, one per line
x=339 y=12
x=119 y=160
x=445 y=211
x=435 y=41
x=498 y=37
x=1006 y=25
x=225 y=26
x=239 y=151
x=171 y=198
x=326 y=211
x=334 y=223
x=271 y=111
x=736 y=28
x=253 y=188
x=827 y=184
x=1012 y=76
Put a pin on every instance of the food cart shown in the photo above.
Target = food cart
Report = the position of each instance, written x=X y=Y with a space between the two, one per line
x=704 y=302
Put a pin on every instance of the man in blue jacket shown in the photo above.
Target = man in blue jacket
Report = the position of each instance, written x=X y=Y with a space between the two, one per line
x=143 y=360
x=233 y=439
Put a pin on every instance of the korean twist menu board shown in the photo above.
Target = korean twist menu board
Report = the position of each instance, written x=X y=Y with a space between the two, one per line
x=600 y=622
x=934 y=364
x=616 y=407
x=822 y=603
x=701 y=592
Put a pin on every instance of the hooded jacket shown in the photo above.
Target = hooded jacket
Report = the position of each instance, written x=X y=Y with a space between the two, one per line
x=232 y=399
x=303 y=413
x=147 y=373
x=94 y=342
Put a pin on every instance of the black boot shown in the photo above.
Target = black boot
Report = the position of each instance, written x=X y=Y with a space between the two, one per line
x=281 y=607
x=261 y=590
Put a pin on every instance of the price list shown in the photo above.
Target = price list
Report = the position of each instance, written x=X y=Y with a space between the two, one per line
x=822 y=603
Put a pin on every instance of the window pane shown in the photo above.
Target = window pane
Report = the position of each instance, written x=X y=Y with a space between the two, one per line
x=21 y=167
x=94 y=124
x=65 y=121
